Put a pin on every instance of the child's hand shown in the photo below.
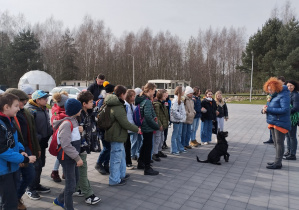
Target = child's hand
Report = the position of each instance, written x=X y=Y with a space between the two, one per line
x=217 y=113
x=24 y=154
x=139 y=131
x=80 y=129
x=203 y=110
x=32 y=159
x=80 y=163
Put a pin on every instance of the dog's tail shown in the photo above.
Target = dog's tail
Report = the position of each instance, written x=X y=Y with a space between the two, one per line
x=201 y=161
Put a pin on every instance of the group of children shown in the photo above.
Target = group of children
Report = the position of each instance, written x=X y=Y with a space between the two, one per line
x=25 y=130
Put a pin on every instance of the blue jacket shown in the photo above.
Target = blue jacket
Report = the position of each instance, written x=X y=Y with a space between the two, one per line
x=278 y=111
x=10 y=156
x=197 y=106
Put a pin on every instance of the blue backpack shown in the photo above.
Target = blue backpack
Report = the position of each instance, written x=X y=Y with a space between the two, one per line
x=138 y=119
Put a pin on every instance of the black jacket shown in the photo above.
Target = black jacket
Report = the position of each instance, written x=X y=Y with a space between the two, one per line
x=95 y=89
x=211 y=108
x=222 y=111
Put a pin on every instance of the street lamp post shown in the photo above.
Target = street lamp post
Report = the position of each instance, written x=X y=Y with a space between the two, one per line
x=133 y=86
x=251 y=76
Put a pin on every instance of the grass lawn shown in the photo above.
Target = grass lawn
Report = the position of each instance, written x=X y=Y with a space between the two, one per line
x=258 y=102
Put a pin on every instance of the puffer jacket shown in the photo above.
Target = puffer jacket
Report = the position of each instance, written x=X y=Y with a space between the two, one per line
x=42 y=122
x=147 y=112
x=278 y=110
x=190 y=112
x=162 y=114
x=177 y=112
x=211 y=108
x=10 y=147
x=197 y=106
x=120 y=124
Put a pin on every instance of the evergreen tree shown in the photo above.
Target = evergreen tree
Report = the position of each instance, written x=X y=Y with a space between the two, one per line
x=4 y=58
x=24 y=56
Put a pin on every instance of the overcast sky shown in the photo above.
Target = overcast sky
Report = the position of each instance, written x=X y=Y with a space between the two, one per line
x=181 y=17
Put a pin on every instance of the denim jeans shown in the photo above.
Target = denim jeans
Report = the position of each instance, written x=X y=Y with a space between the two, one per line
x=136 y=142
x=56 y=165
x=186 y=134
x=206 y=131
x=176 y=145
x=117 y=163
x=194 y=128
x=71 y=174
x=25 y=176
x=292 y=140
x=104 y=156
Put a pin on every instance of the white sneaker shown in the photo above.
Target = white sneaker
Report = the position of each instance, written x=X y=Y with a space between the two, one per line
x=206 y=143
x=92 y=199
x=78 y=193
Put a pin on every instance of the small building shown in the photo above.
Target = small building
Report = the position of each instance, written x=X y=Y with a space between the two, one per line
x=77 y=83
x=169 y=85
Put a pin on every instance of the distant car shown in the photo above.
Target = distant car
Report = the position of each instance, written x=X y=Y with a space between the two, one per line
x=71 y=90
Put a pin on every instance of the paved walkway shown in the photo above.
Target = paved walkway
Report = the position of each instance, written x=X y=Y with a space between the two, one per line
x=242 y=183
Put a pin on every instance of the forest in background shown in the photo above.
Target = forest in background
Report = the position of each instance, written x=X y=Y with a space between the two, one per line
x=219 y=59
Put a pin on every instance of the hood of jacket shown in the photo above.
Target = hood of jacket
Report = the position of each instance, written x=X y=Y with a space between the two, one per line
x=113 y=100
x=139 y=99
x=58 y=113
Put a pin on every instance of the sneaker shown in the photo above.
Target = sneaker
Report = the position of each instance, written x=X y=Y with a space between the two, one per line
x=100 y=168
x=130 y=167
x=43 y=189
x=150 y=171
x=134 y=157
x=127 y=176
x=56 y=202
x=268 y=142
x=122 y=182
x=55 y=176
x=161 y=154
x=188 y=147
x=287 y=153
x=92 y=199
x=156 y=157
x=184 y=151
x=193 y=143
x=21 y=205
x=107 y=169
x=32 y=194
x=198 y=143
x=175 y=153
x=206 y=143
x=290 y=157
x=78 y=193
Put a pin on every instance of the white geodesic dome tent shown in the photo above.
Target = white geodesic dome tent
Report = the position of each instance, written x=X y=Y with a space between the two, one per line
x=37 y=79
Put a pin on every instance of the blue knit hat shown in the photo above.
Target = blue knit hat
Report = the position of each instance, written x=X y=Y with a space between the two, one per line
x=72 y=106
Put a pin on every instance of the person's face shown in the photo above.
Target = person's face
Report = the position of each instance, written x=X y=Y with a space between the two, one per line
x=132 y=98
x=270 y=90
x=22 y=103
x=219 y=96
x=198 y=93
x=151 y=93
x=209 y=94
x=11 y=111
x=88 y=105
x=42 y=101
x=30 y=96
x=100 y=82
x=291 y=87
x=190 y=95
x=165 y=95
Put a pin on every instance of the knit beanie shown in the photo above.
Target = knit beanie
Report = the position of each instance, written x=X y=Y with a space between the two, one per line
x=105 y=83
x=62 y=101
x=137 y=91
x=21 y=94
x=189 y=90
x=27 y=89
x=72 y=106
x=109 y=88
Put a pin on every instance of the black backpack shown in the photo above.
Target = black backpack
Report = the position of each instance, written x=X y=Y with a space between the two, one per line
x=104 y=119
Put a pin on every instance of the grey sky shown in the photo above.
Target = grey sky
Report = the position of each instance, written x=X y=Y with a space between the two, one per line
x=183 y=18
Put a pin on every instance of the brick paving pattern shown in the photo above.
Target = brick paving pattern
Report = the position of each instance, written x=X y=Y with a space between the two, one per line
x=242 y=183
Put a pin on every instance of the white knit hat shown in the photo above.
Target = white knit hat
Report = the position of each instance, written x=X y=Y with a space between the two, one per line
x=188 y=90
x=137 y=91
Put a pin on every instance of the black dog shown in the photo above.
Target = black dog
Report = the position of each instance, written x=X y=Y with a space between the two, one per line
x=219 y=150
